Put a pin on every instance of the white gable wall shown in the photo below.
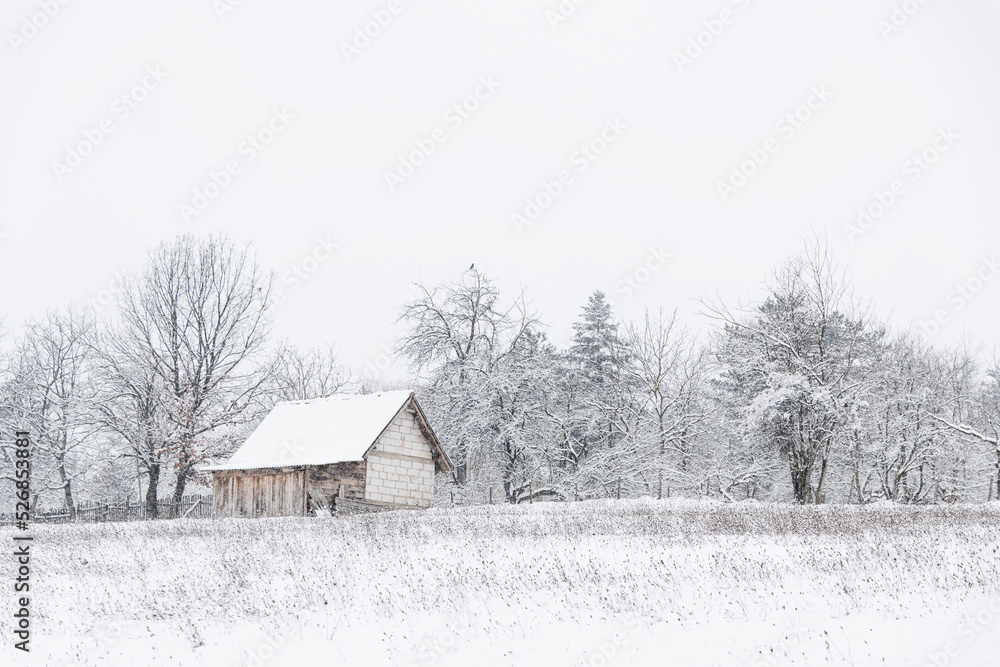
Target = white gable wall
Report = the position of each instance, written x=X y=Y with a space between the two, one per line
x=400 y=469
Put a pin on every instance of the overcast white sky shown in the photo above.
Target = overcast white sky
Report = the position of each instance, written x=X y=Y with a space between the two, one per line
x=655 y=186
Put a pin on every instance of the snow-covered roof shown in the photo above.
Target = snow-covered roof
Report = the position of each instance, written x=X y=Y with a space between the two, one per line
x=320 y=431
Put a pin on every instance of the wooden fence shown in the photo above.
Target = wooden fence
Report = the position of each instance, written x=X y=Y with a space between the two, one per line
x=191 y=507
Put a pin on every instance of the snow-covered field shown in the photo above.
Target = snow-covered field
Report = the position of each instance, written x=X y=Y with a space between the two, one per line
x=595 y=583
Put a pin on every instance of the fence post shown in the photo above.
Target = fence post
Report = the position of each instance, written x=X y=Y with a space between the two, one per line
x=576 y=492
x=491 y=495
x=191 y=509
x=531 y=498
x=619 y=493
x=659 y=493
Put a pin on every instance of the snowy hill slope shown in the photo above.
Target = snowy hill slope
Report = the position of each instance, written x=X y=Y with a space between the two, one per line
x=595 y=583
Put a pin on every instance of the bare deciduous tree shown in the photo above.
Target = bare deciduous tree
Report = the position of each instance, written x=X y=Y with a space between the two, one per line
x=52 y=369
x=131 y=393
x=472 y=349
x=312 y=373
x=200 y=316
x=975 y=415
x=668 y=367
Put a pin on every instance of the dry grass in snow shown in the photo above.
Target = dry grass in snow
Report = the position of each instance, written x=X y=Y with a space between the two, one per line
x=573 y=583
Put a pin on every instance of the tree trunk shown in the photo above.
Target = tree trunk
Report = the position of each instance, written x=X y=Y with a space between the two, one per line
x=182 y=474
x=508 y=470
x=822 y=478
x=154 y=480
x=998 y=473
x=801 y=479
x=67 y=491
x=508 y=489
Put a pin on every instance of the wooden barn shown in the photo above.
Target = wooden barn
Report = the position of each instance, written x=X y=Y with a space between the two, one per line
x=342 y=452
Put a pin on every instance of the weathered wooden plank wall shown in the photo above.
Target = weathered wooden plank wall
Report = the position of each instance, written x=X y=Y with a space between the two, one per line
x=258 y=493
x=327 y=479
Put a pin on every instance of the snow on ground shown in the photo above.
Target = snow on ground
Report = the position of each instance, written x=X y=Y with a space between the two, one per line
x=597 y=583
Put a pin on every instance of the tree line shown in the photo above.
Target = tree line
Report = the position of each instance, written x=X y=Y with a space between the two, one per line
x=804 y=395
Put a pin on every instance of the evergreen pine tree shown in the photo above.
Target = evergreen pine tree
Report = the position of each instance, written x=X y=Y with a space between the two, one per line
x=596 y=346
